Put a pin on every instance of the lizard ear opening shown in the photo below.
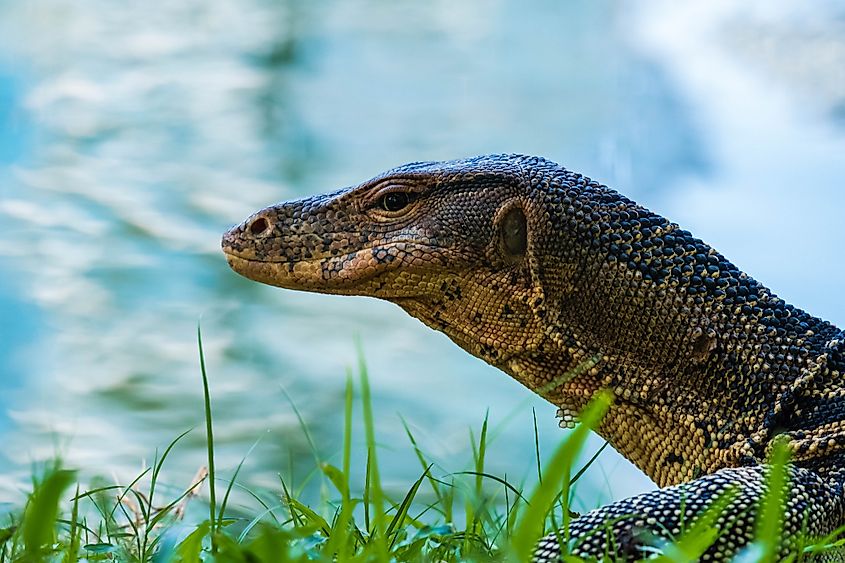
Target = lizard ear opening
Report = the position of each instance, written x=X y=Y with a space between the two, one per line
x=513 y=233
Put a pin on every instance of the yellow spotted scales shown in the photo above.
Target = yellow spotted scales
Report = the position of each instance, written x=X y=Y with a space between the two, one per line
x=571 y=288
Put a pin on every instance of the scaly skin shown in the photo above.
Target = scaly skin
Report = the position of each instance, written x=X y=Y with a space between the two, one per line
x=570 y=287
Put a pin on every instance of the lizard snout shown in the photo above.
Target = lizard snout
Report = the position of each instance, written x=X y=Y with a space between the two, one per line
x=242 y=240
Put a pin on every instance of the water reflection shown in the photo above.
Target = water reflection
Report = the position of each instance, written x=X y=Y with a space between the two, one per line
x=151 y=131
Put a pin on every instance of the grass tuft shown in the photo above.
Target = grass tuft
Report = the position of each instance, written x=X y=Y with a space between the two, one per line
x=353 y=521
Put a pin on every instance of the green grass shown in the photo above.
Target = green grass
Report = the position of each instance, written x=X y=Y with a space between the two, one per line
x=464 y=516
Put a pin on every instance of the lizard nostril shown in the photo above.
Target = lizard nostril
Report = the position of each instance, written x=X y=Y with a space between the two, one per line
x=259 y=226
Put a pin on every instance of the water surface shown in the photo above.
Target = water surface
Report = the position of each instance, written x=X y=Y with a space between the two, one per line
x=131 y=138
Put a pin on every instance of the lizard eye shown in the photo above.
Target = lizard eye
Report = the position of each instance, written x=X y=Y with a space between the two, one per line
x=395 y=201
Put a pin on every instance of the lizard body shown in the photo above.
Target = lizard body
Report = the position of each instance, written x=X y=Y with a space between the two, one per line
x=571 y=288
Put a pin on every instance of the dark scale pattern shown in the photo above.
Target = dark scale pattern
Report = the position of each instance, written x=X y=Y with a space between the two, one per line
x=570 y=288
x=637 y=527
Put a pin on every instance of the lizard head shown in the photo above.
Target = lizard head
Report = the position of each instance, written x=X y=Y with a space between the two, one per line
x=451 y=242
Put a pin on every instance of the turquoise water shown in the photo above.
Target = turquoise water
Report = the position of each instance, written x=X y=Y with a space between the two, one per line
x=131 y=138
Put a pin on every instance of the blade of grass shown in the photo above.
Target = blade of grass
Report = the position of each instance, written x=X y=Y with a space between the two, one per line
x=39 y=520
x=310 y=516
x=499 y=480
x=590 y=462
x=294 y=516
x=396 y=523
x=506 y=519
x=366 y=495
x=697 y=538
x=424 y=463
x=234 y=478
x=128 y=488
x=164 y=511
x=307 y=433
x=557 y=472
x=73 y=547
x=190 y=548
x=473 y=501
x=770 y=516
x=147 y=508
x=209 y=436
x=537 y=446
x=260 y=501
x=339 y=540
x=375 y=493
x=80 y=526
x=479 y=462
x=256 y=519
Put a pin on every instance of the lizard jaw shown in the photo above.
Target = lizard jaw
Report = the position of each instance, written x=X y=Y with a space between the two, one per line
x=341 y=274
x=354 y=273
x=301 y=275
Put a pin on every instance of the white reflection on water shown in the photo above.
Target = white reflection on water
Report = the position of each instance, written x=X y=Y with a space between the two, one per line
x=153 y=130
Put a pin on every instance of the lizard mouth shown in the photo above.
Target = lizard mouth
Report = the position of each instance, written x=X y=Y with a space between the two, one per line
x=336 y=274
x=302 y=274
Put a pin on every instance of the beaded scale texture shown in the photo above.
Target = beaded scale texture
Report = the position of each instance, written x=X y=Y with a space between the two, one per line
x=571 y=288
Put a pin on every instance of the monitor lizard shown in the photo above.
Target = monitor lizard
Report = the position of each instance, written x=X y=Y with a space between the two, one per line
x=570 y=288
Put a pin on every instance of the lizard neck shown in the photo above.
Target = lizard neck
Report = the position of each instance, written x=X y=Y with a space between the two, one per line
x=706 y=365
x=703 y=405
x=697 y=378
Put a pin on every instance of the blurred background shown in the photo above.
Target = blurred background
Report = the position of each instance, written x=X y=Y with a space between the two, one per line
x=132 y=134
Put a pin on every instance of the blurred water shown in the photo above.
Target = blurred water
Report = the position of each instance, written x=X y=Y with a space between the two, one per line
x=131 y=137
